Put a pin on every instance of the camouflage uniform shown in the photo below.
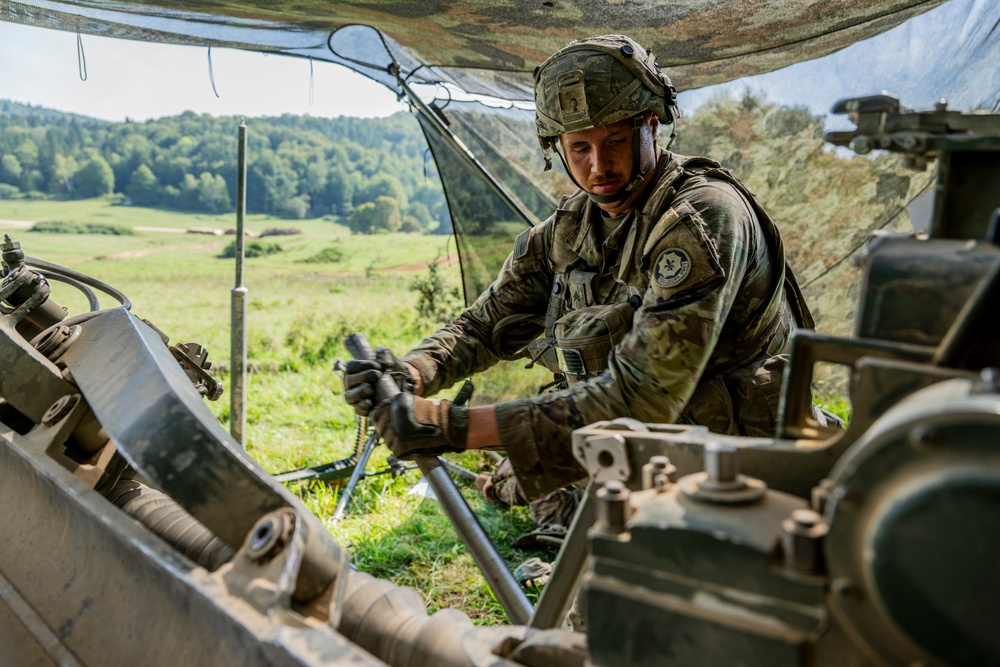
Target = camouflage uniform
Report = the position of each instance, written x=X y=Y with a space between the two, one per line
x=697 y=273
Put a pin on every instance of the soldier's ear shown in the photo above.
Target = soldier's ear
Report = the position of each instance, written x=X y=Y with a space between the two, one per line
x=654 y=123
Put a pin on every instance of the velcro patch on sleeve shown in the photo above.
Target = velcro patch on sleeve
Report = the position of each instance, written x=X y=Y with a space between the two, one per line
x=685 y=259
x=521 y=244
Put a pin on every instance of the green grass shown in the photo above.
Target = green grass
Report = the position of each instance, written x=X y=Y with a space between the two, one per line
x=299 y=315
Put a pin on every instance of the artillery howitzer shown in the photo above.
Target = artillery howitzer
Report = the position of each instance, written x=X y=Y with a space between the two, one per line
x=137 y=531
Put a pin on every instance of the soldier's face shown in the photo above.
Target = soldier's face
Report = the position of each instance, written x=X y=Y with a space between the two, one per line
x=600 y=159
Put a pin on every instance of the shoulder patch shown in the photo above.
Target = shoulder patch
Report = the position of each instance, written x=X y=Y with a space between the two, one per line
x=521 y=244
x=685 y=259
x=672 y=268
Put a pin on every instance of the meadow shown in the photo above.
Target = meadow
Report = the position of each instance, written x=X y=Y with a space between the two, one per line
x=299 y=314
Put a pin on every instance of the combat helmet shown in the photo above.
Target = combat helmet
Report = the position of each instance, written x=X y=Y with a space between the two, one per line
x=599 y=81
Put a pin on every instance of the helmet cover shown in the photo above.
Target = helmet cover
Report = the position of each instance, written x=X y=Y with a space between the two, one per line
x=599 y=81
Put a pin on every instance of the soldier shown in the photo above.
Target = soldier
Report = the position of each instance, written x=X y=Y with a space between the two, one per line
x=659 y=291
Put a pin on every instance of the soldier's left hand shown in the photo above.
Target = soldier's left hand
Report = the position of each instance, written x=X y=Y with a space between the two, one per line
x=414 y=426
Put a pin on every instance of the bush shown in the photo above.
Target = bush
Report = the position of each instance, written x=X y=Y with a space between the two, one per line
x=438 y=301
x=251 y=249
x=8 y=191
x=280 y=231
x=328 y=255
x=65 y=227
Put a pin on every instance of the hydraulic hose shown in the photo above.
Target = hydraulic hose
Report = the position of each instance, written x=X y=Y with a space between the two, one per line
x=164 y=516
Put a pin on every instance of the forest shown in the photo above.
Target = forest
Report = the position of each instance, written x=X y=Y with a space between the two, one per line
x=373 y=174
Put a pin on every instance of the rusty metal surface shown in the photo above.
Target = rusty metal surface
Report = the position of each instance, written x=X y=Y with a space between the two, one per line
x=111 y=593
x=119 y=361
x=28 y=381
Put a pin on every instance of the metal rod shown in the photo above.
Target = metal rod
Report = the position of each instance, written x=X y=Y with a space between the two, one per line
x=557 y=596
x=499 y=578
x=238 y=341
x=356 y=475
x=494 y=569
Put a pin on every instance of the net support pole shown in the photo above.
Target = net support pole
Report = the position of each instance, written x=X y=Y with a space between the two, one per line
x=238 y=328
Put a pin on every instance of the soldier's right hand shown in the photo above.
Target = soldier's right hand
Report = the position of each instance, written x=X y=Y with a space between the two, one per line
x=361 y=377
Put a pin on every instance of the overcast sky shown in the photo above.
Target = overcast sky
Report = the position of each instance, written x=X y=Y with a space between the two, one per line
x=142 y=80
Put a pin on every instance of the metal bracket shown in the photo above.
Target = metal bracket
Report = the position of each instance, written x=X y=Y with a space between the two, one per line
x=265 y=570
x=604 y=457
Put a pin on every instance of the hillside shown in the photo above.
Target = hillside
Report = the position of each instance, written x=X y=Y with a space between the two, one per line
x=298 y=167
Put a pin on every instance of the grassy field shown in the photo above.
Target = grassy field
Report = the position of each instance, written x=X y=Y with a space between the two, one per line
x=299 y=314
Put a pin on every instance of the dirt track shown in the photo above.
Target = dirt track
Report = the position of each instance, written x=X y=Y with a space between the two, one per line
x=132 y=254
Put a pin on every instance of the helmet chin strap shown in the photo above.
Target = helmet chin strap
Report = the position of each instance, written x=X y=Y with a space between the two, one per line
x=638 y=173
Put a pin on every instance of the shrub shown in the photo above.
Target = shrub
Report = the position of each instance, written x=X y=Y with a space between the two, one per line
x=328 y=255
x=8 y=191
x=438 y=301
x=251 y=249
x=280 y=231
x=66 y=227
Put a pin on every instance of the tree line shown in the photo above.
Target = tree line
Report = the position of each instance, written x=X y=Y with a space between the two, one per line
x=371 y=174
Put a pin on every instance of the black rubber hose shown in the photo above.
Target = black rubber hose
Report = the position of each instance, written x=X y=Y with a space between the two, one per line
x=164 y=516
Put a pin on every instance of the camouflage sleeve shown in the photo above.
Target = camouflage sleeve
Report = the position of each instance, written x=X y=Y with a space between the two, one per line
x=503 y=319
x=695 y=259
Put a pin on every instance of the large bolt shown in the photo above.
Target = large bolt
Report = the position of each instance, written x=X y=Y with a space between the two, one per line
x=721 y=482
x=59 y=409
x=12 y=255
x=722 y=463
x=989 y=379
x=270 y=535
x=821 y=494
x=658 y=466
x=613 y=507
x=802 y=541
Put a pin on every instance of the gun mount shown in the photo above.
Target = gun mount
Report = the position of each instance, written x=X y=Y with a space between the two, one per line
x=140 y=532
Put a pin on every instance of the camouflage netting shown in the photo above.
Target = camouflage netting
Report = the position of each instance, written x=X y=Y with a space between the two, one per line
x=491 y=46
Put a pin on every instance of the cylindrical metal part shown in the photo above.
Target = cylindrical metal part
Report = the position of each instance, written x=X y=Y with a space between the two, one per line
x=165 y=517
x=722 y=462
x=613 y=509
x=391 y=622
x=657 y=465
x=802 y=541
x=557 y=596
x=356 y=475
x=494 y=569
x=28 y=292
x=238 y=367
x=241 y=201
